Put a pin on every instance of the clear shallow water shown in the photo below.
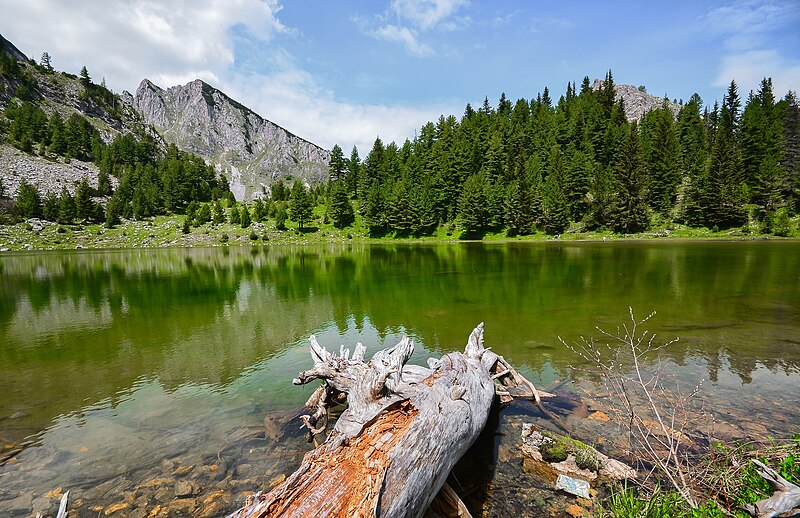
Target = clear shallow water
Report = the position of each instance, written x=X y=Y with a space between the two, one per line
x=122 y=367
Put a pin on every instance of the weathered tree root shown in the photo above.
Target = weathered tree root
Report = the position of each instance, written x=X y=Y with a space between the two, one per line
x=405 y=427
x=784 y=502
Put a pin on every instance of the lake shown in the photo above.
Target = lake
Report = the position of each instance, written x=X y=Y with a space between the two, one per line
x=130 y=377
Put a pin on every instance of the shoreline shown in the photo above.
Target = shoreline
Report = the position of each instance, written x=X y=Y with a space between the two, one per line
x=166 y=232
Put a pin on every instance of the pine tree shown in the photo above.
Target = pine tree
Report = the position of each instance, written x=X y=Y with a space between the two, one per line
x=50 y=207
x=791 y=150
x=336 y=165
x=220 y=217
x=235 y=218
x=472 y=206
x=280 y=218
x=661 y=153
x=724 y=195
x=103 y=184
x=340 y=210
x=555 y=210
x=399 y=208
x=629 y=207
x=353 y=175
x=423 y=210
x=374 y=209
x=300 y=205
x=84 y=206
x=29 y=202
x=114 y=210
x=45 y=63
x=203 y=214
x=66 y=207
x=517 y=209
x=244 y=216
x=693 y=155
x=84 y=76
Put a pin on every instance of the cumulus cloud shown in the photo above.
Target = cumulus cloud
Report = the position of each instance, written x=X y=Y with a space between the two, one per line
x=426 y=14
x=413 y=18
x=178 y=41
x=749 y=68
x=750 y=32
x=123 y=40
x=405 y=36
x=744 y=24
x=323 y=119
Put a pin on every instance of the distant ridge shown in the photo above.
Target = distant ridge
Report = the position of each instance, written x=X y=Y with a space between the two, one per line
x=251 y=150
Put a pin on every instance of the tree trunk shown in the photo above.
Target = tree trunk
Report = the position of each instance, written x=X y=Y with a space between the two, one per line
x=405 y=428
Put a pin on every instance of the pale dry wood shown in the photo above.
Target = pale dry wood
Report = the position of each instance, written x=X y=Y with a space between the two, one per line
x=405 y=427
x=391 y=451
x=785 y=501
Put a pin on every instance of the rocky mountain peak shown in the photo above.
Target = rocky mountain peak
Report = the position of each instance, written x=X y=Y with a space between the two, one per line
x=637 y=102
x=249 y=149
x=9 y=48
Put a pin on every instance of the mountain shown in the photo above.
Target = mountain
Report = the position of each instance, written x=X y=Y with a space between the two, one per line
x=637 y=102
x=251 y=150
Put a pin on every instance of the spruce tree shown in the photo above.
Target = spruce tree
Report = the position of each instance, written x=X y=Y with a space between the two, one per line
x=724 y=195
x=472 y=206
x=374 y=209
x=66 y=207
x=629 y=206
x=340 y=210
x=84 y=206
x=50 y=206
x=661 y=160
x=244 y=216
x=692 y=161
x=235 y=218
x=300 y=205
x=336 y=165
x=791 y=150
x=220 y=217
x=517 y=209
x=555 y=210
x=29 y=202
x=103 y=184
x=353 y=175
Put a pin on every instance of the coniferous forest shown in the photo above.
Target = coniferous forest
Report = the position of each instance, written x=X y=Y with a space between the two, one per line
x=542 y=166
x=576 y=163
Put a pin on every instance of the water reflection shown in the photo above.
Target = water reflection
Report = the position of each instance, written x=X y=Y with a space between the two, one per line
x=147 y=355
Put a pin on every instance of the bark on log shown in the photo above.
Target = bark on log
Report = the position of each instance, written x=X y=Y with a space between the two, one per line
x=391 y=451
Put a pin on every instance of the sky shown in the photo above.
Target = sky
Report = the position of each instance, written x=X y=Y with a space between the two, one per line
x=344 y=72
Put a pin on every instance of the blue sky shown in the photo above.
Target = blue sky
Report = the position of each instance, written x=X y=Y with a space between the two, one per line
x=347 y=71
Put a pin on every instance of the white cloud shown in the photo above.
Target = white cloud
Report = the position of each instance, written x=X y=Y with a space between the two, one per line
x=178 y=41
x=749 y=68
x=744 y=23
x=750 y=31
x=294 y=99
x=426 y=14
x=406 y=37
x=413 y=19
x=125 y=41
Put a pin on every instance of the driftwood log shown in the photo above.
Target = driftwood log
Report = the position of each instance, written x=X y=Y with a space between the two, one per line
x=785 y=501
x=405 y=427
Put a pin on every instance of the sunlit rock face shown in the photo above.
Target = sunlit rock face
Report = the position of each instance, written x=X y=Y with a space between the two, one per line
x=638 y=102
x=250 y=150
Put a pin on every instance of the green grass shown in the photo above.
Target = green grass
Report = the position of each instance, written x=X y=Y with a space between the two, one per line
x=166 y=231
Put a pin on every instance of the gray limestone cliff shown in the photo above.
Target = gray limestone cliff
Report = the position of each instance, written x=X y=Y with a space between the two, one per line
x=637 y=102
x=250 y=150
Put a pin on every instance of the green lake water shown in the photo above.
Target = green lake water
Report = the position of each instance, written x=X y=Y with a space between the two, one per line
x=120 y=367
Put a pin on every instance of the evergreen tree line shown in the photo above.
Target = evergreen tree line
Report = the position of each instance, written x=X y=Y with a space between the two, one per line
x=151 y=182
x=578 y=163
